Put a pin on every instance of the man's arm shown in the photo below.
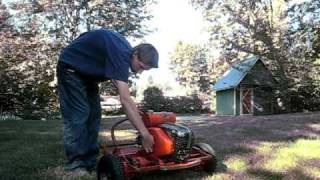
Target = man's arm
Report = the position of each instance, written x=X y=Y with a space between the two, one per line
x=133 y=115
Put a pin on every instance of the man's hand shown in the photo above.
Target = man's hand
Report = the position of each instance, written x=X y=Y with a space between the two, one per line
x=133 y=115
x=147 y=142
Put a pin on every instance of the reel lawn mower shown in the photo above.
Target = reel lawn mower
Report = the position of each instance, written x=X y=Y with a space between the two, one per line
x=173 y=149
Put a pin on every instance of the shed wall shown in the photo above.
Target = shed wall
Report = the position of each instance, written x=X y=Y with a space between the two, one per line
x=225 y=102
x=259 y=75
x=263 y=100
x=260 y=79
x=238 y=103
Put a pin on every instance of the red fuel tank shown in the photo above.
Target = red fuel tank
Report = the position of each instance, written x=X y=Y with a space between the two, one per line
x=163 y=144
x=153 y=119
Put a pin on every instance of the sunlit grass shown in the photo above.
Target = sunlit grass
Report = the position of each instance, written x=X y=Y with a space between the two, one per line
x=218 y=176
x=292 y=154
x=236 y=164
x=265 y=148
x=313 y=171
x=254 y=131
x=120 y=134
x=264 y=174
x=315 y=127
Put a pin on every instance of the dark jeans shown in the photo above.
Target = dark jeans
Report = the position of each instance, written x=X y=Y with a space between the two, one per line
x=81 y=112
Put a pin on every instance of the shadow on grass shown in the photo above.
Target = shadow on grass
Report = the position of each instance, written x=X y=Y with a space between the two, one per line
x=255 y=131
x=268 y=175
x=225 y=134
x=298 y=174
x=236 y=150
x=265 y=174
x=240 y=136
x=176 y=175
x=29 y=148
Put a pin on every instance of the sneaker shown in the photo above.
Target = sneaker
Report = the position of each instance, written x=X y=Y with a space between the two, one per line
x=91 y=168
x=78 y=172
x=74 y=165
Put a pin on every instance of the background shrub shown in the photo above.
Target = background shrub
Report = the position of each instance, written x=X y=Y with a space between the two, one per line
x=154 y=100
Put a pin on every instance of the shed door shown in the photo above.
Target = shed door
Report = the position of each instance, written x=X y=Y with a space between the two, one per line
x=246 y=101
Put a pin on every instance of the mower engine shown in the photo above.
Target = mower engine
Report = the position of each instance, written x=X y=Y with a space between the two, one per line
x=170 y=139
x=173 y=149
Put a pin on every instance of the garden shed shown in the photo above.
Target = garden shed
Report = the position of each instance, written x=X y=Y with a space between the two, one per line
x=245 y=89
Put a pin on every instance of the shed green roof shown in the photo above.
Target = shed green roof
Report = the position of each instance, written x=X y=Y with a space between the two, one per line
x=231 y=78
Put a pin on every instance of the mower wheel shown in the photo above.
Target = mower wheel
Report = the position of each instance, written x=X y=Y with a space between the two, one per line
x=110 y=167
x=210 y=165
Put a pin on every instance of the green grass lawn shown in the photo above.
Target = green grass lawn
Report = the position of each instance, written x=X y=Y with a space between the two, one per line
x=266 y=147
x=29 y=148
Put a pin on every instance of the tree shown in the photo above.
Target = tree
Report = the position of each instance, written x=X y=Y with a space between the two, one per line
x=38 y=31
x=4 y=17
x=153 y=99
x=189 y=62
x=303 y=35
x=245 y=27
x=24 y=78
x=304 y=48
x=6 y=89
x=64 y=19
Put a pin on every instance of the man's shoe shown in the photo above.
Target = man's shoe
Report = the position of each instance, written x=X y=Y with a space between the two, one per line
x=91 y=168
x=78 y=172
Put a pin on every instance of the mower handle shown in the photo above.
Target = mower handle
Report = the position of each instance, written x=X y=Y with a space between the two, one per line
x=114 y=141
